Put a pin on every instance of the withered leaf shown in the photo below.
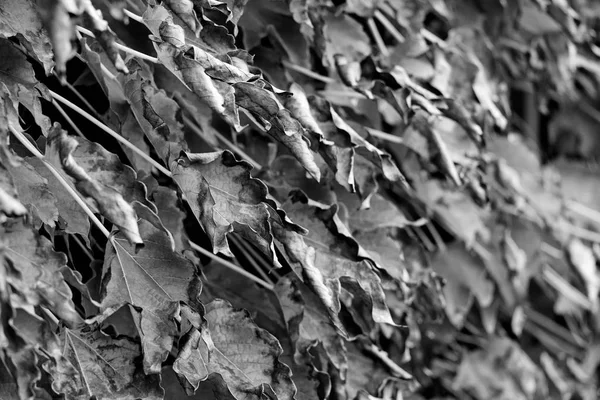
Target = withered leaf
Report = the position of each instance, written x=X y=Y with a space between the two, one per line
x=35 y=274
x=225 y=198
x=105 y=368
x=21 y=18
x=109 y=201
x=327 y=258
x=155 y=279
x=229 y=344
x=282 y=126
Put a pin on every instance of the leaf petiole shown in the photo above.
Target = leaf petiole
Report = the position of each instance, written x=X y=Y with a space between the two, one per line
x=60 y=179
x=122 y=47
x=230 y=265
x=112 y=133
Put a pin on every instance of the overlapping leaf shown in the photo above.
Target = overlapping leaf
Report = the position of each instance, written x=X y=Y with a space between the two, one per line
x=155 y=279
x=229 y=344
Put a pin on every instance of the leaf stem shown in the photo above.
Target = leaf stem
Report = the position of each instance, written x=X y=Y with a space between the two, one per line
x=387 y=24
x=80 y=97
x=377 y=36
x=122 y=47
x=189 y=122
x=384 y=136
x=133 y=16
x=21 y=138
x=67 y=118
x=307 y=72
x=433 y=38
x=584 y=211
x=84 y=248
x=394 y=368
x=239 y=243
x=230 y=265
x=112 y=133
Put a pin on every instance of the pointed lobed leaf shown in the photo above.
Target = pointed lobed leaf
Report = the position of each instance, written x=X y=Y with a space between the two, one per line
x=225 y=198
x=106 y=368
x=328 y=257
x=10 y=206
x=232 y=346
x=35 y=274
x=156 y=114
x=19 y=17
x=281 y=125
x=18 y=76
x=154 y=279
x=33 y=190
x=309 y=323
x=109 y=201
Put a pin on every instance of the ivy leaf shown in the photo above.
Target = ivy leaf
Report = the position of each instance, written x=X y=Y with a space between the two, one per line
x=229 y=344
x=109 y=201
x=481 y=374
x=156 y=114
x=216 y=68
x=462 y=271
x=283 y=126
x=340 y=160
x=171 y=215
x=35 y=273
x=18 y=76
x=33 y=190
x=20 y=18
x=327 y=258
x=105 y=366
x=10 y=206
x=343 y=135
x=155 y=279
x=225 y=198
x=309 y=323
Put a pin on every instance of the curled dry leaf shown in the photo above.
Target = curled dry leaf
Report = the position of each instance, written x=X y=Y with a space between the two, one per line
x=154 y=279
x=35 y=276
x=10 y=206
x=226 y=342
x=225 y=198
x=105 y=368
x=109 y=201
x=328 y=258
x=19 y=17
x=308 y=323
x=282 y=126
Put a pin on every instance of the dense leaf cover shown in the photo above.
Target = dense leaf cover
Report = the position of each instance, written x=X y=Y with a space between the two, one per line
x=301 y=199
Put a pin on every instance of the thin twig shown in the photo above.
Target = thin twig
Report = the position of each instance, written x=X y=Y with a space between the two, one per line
x=133 y=16
x=230 y=265
x=21 y=138
x=384 y=136
x=563 y=287
x=239 y=243
x=583 y=210
x=387 y=24
x=307 y=72
x=394 y=368
x=582 y=233
x=81 y=98
x=122 y=47
x=192 y=125
x=112 y=133
x=433 y=38
x=423 y=237
x=436 y=236
x=257 y=256
x=377 y=36
x=83 y=247
x=67 y=118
